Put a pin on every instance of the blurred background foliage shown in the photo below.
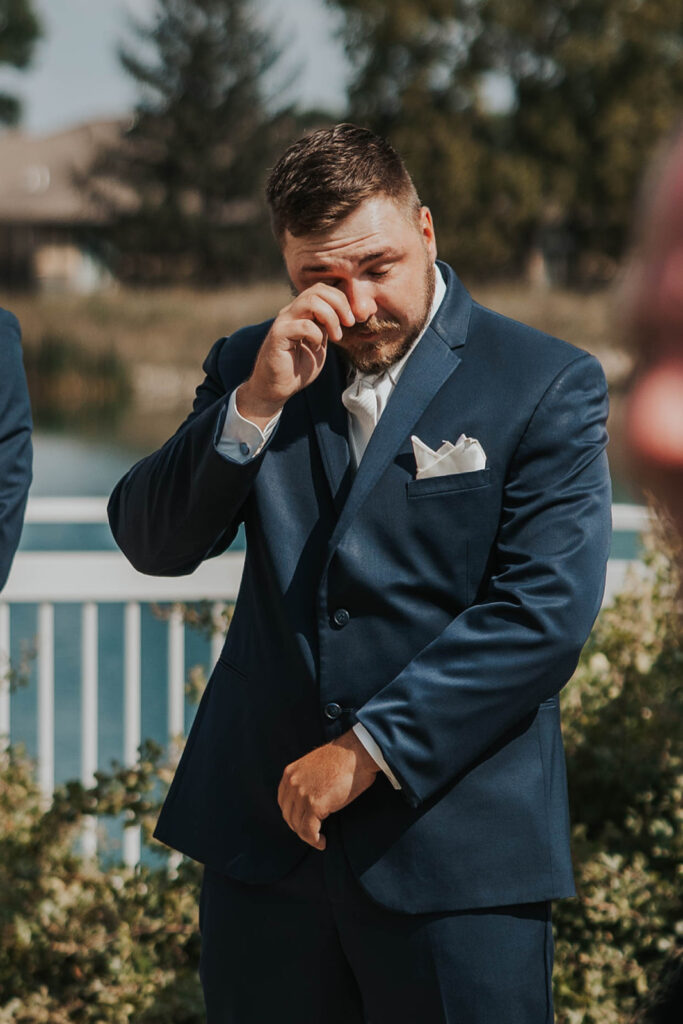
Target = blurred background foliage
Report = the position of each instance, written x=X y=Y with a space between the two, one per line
x=71 y=384
x=584 y=90
x=83 y=943
x=525 y=123
x=623 y=729
x=190 y=166
x=20 y=30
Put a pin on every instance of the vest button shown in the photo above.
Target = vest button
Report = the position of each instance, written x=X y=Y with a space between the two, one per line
x=332 y=711
x=341 y=617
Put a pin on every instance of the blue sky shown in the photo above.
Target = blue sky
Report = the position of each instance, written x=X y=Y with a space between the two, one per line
x=76 y=76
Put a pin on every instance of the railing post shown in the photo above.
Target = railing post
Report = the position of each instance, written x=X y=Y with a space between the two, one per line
x=89 y=746
x=46 y=699
x=217 y=636
x=176 y=675
x=176 y=697
x=131 y=716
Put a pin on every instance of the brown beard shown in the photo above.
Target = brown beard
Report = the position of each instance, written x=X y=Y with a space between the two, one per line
x=371 y=356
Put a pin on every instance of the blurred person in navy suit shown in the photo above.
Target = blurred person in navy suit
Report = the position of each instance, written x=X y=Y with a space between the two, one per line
x=375 y=780
x=15 y=441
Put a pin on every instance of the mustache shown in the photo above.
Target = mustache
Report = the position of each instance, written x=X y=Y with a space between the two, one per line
x=373 y=325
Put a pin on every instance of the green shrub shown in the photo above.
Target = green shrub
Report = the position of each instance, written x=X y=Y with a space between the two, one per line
x=623 y=726
x=80 y=943
x=69 y=384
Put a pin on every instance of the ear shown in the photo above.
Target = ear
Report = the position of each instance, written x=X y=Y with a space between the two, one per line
x=427 y=230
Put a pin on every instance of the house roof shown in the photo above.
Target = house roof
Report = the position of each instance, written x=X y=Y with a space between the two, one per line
x=38 y=174
x=39 y=179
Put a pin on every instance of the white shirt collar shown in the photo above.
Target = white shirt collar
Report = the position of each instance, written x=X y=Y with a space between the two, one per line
x=394 y=372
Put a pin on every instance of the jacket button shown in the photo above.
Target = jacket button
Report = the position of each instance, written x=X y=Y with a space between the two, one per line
x=332 y=711
x=341 y=617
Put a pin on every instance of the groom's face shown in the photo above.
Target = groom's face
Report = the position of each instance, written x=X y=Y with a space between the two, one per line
x=382 y=257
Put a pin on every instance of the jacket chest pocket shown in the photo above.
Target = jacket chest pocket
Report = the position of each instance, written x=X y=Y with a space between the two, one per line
x=453 y=520
x=450 y=483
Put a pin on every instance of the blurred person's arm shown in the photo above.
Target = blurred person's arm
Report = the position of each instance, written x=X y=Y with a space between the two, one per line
x=16 y=453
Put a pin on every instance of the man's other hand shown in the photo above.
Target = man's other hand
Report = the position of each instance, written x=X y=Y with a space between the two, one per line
x=323 y=782
x=293 y=352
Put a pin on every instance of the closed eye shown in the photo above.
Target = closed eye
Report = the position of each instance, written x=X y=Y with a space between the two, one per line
x=334 y=282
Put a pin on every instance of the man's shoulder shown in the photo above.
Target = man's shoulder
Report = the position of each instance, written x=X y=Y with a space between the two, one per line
x=501 y=345
x=506 y=342
x=515 y=340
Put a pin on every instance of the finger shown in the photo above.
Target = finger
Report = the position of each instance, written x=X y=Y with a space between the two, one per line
x=309 y=360
x=288 y=805
x=310 y=831
x=338 y=300
x=306 y=330
x=285 y=797
x=323 y=312
x=329 y=297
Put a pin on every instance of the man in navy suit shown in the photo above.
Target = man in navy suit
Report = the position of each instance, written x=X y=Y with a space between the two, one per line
x=374 y=779
x=15 y=441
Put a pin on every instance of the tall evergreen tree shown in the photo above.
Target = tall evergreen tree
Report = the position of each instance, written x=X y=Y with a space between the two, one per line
x=593 y=85
x=196 y=153
x=596 y=85
x=19 y=31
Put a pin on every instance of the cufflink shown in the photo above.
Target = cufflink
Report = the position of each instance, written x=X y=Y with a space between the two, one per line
x=244 y=448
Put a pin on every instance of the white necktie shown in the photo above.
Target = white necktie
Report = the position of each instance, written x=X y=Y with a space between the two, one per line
x=361 y=401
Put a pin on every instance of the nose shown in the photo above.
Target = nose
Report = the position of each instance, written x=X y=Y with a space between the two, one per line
x=361 y=300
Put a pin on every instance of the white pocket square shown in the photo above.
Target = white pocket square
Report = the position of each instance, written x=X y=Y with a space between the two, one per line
x=465 y=456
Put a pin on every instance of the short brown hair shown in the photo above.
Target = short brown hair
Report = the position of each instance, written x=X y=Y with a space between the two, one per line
x=324 y=176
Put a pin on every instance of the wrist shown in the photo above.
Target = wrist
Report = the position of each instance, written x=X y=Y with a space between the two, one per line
x=253 y=407
x=349 y=741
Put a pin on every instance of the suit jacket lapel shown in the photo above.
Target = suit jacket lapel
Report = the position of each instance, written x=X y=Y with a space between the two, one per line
x=331 y=426
x=427 y=370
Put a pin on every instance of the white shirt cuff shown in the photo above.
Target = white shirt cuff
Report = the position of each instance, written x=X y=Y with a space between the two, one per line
x=375 y=753
x=241 y=440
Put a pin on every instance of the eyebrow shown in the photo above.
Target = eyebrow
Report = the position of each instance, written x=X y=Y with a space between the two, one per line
x=371 y=257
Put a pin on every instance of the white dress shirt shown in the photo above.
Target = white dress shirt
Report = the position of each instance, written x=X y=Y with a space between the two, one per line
x=383 y=383
x=241 y=440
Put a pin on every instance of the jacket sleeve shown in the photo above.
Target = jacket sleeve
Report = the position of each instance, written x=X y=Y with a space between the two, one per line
x=184 y=502
x=520 y=642
x=16 y=453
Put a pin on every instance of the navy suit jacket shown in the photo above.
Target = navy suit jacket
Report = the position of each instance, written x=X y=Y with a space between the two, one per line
x=469 y=597
x=15 y=441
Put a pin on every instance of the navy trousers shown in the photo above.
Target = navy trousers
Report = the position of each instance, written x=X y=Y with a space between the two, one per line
x=313 y=948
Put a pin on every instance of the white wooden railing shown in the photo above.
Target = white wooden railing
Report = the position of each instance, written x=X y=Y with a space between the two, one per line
x=47 y=578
